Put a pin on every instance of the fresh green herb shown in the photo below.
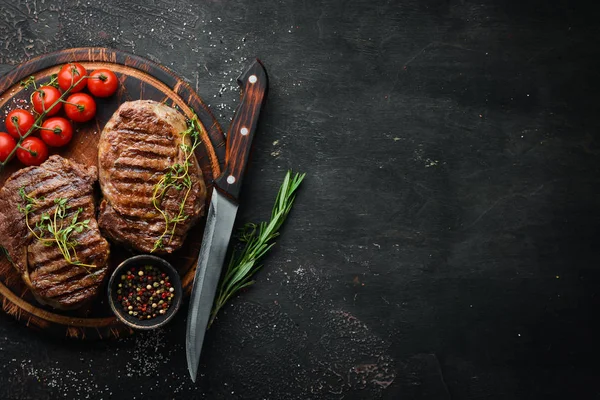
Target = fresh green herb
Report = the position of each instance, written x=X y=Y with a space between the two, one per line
x=53 y=228
x=178 y=178
x=54 y=80
x=258 y=240
x=28 y=82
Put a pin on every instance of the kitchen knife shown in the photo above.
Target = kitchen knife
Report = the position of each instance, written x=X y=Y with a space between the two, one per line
x=222 y=210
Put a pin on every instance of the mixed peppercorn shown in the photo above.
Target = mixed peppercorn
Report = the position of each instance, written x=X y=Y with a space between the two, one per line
x=145 y=292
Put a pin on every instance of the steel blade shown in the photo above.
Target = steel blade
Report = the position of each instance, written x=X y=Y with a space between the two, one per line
x=219 y=224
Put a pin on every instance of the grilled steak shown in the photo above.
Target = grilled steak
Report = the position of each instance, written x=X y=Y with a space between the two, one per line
x=44 y=268
x=138 y=146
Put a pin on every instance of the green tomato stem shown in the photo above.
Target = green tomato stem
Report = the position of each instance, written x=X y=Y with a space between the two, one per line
x=31 y=80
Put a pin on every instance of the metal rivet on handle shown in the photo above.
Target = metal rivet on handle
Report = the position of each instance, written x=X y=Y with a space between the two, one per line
x=231 y=179
x=244 y=131
x=252 y=79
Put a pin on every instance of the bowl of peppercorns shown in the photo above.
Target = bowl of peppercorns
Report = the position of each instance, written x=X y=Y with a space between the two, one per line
x=145 y=292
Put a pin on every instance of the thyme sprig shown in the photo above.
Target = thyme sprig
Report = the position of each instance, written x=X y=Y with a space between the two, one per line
x=258 y=240
x=177 y=177
x=54 y=228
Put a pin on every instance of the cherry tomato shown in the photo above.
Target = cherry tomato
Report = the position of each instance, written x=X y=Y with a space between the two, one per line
x=18 y=122
x=44 y=98
x=32 y=151
x=72 y=74
x=102 y=83
x=80 y=107
x=7 y=144
x=56 y=131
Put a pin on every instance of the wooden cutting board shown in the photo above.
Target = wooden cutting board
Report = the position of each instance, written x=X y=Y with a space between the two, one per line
x=140 y=79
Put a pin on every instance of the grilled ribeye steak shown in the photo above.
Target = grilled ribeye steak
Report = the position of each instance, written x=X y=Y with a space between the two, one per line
x=57 y=186
x=139 y=146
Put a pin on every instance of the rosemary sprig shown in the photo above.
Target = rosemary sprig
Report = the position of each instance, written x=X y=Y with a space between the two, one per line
x=178 y=177
x=51 y=228
x=258 y=241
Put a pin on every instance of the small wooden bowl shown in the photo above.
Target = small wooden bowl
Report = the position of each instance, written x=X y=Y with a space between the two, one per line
x=140 y=261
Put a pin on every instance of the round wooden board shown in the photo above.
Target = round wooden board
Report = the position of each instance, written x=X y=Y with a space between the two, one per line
x=140 y=79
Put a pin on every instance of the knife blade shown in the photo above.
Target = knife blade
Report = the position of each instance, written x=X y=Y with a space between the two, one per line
x=223 y=209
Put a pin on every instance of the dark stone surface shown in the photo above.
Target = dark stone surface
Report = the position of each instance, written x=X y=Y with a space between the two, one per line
x=444 y=244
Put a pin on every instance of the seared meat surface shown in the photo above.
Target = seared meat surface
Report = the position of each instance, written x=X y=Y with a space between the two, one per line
x=138 y=146
x=52 y=278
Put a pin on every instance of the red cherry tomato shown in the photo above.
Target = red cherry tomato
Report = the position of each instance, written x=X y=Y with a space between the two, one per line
x=72 y=74
x=44 y=98
x=32 y=151
x=80 y=107
x=18 y=122
x=7 y=144
x=56 y=131
x=102 y=83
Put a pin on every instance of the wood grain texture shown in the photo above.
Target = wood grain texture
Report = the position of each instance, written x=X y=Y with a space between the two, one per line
x=444 y=244
x=254 y=83
x=139 y=79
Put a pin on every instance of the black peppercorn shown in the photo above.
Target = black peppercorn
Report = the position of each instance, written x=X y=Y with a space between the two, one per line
x=145 y=291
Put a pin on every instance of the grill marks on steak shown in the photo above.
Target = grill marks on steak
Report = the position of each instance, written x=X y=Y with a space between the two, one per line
x=137 y=147
x=51 y=278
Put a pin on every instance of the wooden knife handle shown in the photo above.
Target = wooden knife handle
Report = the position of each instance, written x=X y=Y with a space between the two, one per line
x=254 y=83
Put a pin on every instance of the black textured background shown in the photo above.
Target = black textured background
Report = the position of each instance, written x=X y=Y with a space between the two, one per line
x=445 y=241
